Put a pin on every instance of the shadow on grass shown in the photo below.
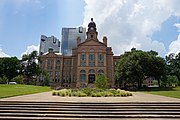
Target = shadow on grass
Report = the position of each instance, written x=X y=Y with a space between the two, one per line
x=156 y=89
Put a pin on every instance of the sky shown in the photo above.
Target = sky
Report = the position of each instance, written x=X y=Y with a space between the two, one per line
x=141 y=24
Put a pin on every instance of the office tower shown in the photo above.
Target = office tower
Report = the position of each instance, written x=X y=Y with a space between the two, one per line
x=47 y=43
x=69 y=37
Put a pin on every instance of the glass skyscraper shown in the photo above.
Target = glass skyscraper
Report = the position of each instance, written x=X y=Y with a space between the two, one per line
x=69 y=36
x=47 y=43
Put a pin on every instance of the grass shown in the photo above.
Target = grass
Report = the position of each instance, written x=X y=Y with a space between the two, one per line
x=169 y=92
x=16 y=90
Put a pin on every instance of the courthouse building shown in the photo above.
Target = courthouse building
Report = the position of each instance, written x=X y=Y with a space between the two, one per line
x=89 y=58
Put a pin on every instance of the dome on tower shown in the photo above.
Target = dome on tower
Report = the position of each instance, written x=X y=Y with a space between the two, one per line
x=91 y=25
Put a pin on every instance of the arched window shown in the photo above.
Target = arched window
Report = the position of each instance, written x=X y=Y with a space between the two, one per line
x=82 y=75
x=58 y=62
x=91 y=71
x=100 y=71
x=82 y=71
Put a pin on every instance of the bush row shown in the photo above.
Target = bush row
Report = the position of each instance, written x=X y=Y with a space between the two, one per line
x=91 y=92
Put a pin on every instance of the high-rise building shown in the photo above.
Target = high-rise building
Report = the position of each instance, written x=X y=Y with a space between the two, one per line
x=69 y=36
x=47 y=43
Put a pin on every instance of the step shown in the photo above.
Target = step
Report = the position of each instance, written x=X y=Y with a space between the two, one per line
x=79 y=110
x=93 y=112
x=90 y=115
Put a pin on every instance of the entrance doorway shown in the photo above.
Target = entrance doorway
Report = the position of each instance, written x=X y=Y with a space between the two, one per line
x=91 y=78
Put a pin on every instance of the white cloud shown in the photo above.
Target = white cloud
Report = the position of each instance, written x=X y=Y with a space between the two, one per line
x=130 y=23
x=2 y=54
x=174 y=46
x=30 y=49
x=178 y=26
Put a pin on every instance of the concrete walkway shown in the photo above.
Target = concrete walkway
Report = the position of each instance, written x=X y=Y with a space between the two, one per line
x=47 y=97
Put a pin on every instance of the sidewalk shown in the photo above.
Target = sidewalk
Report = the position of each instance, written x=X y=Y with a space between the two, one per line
x=47 y=97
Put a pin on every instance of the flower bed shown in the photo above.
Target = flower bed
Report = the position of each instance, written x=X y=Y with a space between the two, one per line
x=91 y=92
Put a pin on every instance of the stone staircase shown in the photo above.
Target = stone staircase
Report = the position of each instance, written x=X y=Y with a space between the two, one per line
x=16 y=110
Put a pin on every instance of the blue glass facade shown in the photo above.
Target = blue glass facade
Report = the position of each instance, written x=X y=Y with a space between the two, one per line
x=69 y=36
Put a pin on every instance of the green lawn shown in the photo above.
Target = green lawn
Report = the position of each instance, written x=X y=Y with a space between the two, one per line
x=15 y=90
x=169 y=92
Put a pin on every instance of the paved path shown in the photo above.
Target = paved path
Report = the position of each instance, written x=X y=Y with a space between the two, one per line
x=47 y=97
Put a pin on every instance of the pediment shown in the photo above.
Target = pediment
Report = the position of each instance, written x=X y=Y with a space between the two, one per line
x=91 y=43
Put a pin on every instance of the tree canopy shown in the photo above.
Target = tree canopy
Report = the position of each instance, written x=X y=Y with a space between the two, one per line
x=30 y=65
x=9 y=67
x=173 y=65
x=136 y=66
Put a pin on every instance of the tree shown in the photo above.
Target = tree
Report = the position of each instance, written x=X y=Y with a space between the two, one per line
x=46 y=79
x=136 y=66
x=170 y=81
x=30 y=66
x=9 y=67
x=173 y=65
x=101 y=81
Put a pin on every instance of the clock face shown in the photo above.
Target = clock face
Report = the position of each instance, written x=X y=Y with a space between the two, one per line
x=92 y=28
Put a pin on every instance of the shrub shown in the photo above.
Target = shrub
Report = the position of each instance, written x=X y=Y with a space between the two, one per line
x=58 y=94
x=73 y=94
x=98 y=94
x=129 y=94
x=88 y=91
x=63 y=94
x=110 y=94
x=54 y=93
x=93 y=95
x=92 y=92
x=70 y=94
x=3 y=80
x=82 y=95
x=19 y=79
x=101 y=82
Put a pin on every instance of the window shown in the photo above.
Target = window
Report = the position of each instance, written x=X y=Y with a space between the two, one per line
x=58 y=62
x=100 y=57
x=91 y=57
x=100 y=63
x=54 y=40
x=58 y=67
x=50 y=75
x=83 y=64
x=80 y=29
x=100 y=60
x=91 y=63
x=100 y=72
x=57 y=73
x=82 y=75
x=91 y=71
x=83 y=56
x=49 y=61
x=50 y=67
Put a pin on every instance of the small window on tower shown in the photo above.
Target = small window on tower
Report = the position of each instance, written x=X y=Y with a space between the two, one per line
x=54 y=40
x=91 y=36
x=80 y=29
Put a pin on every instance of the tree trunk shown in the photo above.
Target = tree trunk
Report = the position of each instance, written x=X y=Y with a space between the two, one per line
x=159 y=83
x=139 y=84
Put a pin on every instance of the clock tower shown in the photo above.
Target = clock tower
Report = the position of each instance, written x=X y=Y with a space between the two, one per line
x=92 y=33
